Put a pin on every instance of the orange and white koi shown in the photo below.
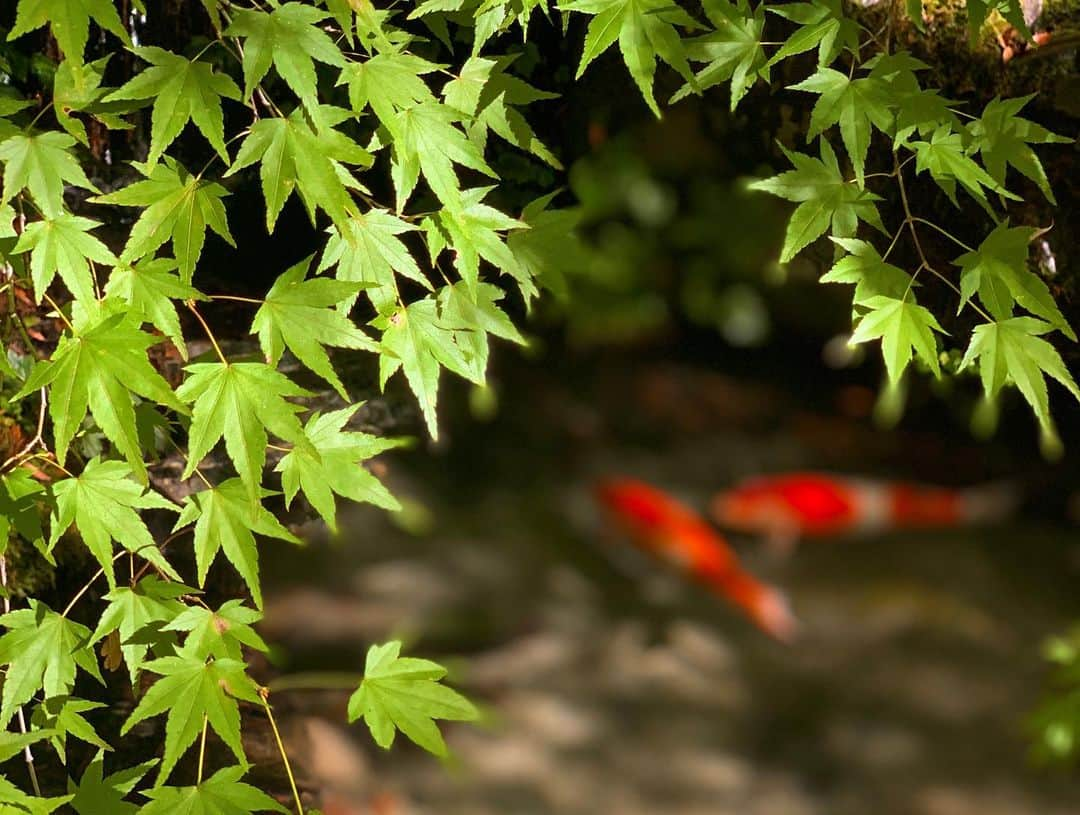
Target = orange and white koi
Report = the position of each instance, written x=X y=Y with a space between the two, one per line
x=671 y=530
x=788 y=506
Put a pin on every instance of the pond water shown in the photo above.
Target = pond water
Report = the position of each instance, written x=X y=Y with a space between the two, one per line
x=610 y=685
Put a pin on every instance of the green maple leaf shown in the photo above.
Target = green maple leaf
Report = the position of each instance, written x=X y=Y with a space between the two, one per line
x=826 y=201
x=61 y=717
x=865 y=268
x=64 y=244
x=11 y=744
x=21 y=510
x=139 y=614
x=298 y=314
x=194 y=691
x=403 y=693
x=733 y=50
x=332 y=464
x=551 y=246
x=102 y=501
x=917 y=110
x=221 y=633
x=420 y=343
x=41 y=650
x=225 y=520
x=240 y=401
x=1002 y=138
x=183 y=90
x=69 y=21
x=294 y=157
x=370 y=252
x=491 y=96
x=823 y=24
x=13 y=801
x=388 y=82
x=427 y=140
x=998 y=271
x=97 y=793
x=149 y=288
x=77 y=87
x=944 y=156
x=221 y=794
x=290 y=39
x=41 y=163
x=474 y=315
x=904 y=328
x=854 y=104
x=1013 y=350
x=474 y=232
x=645 y=31
x=179 y=207
x=100 y=366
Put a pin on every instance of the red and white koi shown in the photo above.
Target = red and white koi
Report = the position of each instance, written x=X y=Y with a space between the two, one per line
x=788 y=506
x=671 y=530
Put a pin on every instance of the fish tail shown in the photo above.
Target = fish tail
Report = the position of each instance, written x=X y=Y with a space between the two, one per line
x=765 y=605
x=991 y=503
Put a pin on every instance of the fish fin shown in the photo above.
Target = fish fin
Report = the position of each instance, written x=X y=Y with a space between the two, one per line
x=772 y=613
x=781 y=540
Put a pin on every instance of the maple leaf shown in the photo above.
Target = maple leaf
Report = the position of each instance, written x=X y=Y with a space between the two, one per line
x=865 y=268
x=473 y=230
x=78 y=88
x=551 y=246
x=1002 y=139
x=474 y=315
x=403 y=693
x=904 y=327
x=41 y=650
x=645 y=31
x=220 y=633
x=183 y=90
x=179 y=207
x=979 y=10
x=100 y=366
x=949 y=164
x=193 y=692
x=426 y=140
x=98 y=793
x=332 y=464
x=14 y=801
x=41 y=163
x=388 y=82
x=69 y=21
x=823 y=24
x=998 y=271
x=854 y=104
x=139 y=614
x=225 y=520
x=102 y=502
x=1013 y=350
x=240 y=401
x=293 y=157
x=63 y=244
x=733 y=50
x=149 y=288
x=21 y=510
x=419 y=343
x=298 y=314
x=221 y=794
x=825 y=199
x=491 y=96
x=288 y=37
x=370 y=252
x=60 y=717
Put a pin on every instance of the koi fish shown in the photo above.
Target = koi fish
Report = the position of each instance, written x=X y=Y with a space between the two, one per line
x=672 y=531
x=788 y=506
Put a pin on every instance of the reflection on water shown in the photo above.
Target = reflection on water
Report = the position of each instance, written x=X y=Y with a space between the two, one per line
x=612 y=686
